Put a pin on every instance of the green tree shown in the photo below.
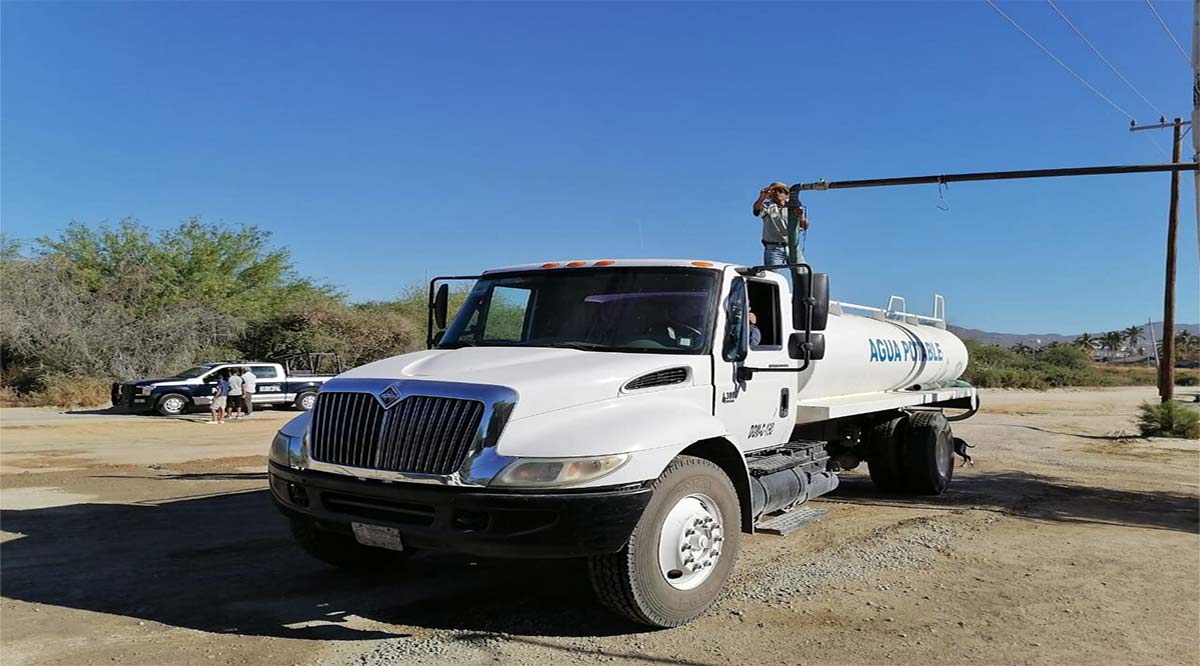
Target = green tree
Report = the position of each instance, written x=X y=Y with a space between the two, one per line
x=233 y=271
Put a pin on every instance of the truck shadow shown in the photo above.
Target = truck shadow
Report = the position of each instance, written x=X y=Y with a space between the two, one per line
x=1042 y=498
x=227 y=564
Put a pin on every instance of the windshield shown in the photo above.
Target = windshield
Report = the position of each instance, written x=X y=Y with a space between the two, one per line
x=194 y=372
x=621 y=310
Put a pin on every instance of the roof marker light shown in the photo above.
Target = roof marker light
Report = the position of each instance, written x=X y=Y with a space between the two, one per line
x=550 y=264
x=606 y=262
x=702 y=264
x=576 y=264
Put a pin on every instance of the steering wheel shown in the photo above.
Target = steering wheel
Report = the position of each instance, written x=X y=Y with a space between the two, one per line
x=696 y=334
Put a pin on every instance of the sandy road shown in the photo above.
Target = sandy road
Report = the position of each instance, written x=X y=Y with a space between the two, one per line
x=152 y=541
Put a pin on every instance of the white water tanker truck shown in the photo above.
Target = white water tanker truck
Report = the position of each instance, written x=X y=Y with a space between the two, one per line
x=641 y=414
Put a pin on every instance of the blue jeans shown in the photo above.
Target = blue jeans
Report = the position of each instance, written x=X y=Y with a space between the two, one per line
x=774 y=255
x=777 y=255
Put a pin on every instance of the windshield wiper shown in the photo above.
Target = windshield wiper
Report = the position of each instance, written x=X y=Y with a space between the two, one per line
x=577 y=345
x=458 y=344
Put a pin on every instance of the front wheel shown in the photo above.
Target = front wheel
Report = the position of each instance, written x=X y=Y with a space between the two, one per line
x=680 y=553
x=172 y=404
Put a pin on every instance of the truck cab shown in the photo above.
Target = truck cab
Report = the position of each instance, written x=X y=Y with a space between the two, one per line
x=642 y=414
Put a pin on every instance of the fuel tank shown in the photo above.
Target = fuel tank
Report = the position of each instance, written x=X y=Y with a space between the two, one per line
x=864 y=354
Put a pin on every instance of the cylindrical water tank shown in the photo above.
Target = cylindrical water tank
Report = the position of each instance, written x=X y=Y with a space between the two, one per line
x=868 y=355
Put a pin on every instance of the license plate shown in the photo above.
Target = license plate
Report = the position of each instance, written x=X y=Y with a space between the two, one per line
x=378 y=536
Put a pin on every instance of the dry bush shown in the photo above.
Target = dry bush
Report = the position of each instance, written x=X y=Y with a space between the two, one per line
x=66 y=391
x=72 y=391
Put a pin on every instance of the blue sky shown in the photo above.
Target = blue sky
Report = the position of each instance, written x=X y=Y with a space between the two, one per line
x=385 y=142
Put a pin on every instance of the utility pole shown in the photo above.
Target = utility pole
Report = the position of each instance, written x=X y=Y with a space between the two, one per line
x=1166 y=369
x=1196 y=107
x=1153 y=342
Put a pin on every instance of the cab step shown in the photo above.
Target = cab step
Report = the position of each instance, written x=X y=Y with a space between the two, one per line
x=810 y=455
x=790 y=521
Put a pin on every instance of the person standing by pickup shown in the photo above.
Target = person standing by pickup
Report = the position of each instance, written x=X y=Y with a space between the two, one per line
x=220 y=394
x=771 y=206
x=249 y=386
x=235 y=393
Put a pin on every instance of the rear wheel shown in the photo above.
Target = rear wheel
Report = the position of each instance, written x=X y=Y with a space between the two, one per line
x=929 y=464
x=305 y=401
x=172 y=404
x=885 y=451
x=680 y=554
x=341 y=550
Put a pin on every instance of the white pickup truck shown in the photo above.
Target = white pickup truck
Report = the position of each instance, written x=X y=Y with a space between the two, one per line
x=642 y=414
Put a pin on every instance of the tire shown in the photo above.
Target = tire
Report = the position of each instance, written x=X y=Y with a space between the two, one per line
x=929 y=464
x=305 y=401
x=172 y=404
x=886 y=444
x=341 y=550
x=634 y=582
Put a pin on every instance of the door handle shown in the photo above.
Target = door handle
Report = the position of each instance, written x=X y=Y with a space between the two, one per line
x=784 y=405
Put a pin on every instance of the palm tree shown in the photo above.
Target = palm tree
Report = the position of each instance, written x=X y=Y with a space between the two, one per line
x=1112 y=340
x=1133 y=334
x=1086 y=342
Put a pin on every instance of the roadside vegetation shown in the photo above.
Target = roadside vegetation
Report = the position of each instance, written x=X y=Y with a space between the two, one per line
x=94 y=305
x=1056 y=365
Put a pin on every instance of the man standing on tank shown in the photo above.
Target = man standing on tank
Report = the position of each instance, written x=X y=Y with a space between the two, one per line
x=771 y=206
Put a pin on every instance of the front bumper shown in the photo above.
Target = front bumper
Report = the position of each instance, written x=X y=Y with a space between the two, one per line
x=481 y=522
x=124 y=396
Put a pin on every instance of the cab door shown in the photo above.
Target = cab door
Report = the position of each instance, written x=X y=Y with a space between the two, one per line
x=269 y=385
x=757 y=412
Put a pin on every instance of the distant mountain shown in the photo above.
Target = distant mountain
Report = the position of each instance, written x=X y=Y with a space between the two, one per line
x=1041 y=339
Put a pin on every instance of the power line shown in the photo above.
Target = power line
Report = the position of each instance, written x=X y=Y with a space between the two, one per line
x=1169 y=34
x=1101 y=56
x=1060 y=62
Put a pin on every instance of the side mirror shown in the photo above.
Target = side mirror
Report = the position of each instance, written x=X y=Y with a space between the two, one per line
x=440 y=304
x=802 y=319
x=737 y=326
x=816 y=346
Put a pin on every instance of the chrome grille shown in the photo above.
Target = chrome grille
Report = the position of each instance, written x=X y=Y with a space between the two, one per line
x=419 y=435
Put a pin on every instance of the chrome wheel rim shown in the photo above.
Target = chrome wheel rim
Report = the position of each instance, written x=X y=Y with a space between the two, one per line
x=691 y=541
x=173 y=405
x=308 y=401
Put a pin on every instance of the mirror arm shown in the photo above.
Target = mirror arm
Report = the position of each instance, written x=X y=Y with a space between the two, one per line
x=429 y=342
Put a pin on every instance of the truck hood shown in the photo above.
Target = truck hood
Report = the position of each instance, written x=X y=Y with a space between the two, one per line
x=155 y=382
x=545 y=379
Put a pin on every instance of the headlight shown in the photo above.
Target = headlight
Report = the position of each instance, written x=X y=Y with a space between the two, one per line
x=144 y=390
x=557 y=472
x=279 y=448
x=289 y=451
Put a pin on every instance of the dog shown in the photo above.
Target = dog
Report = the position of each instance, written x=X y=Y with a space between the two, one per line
x=960 y=448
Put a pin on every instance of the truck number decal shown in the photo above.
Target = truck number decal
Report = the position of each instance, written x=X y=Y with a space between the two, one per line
x=904 y=350
x=270 y=389
x=761 y=430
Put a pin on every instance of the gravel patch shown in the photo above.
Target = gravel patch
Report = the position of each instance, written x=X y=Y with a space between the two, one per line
x=906 y=546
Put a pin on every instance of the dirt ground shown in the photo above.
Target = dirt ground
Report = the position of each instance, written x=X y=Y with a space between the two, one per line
x=143 y=540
